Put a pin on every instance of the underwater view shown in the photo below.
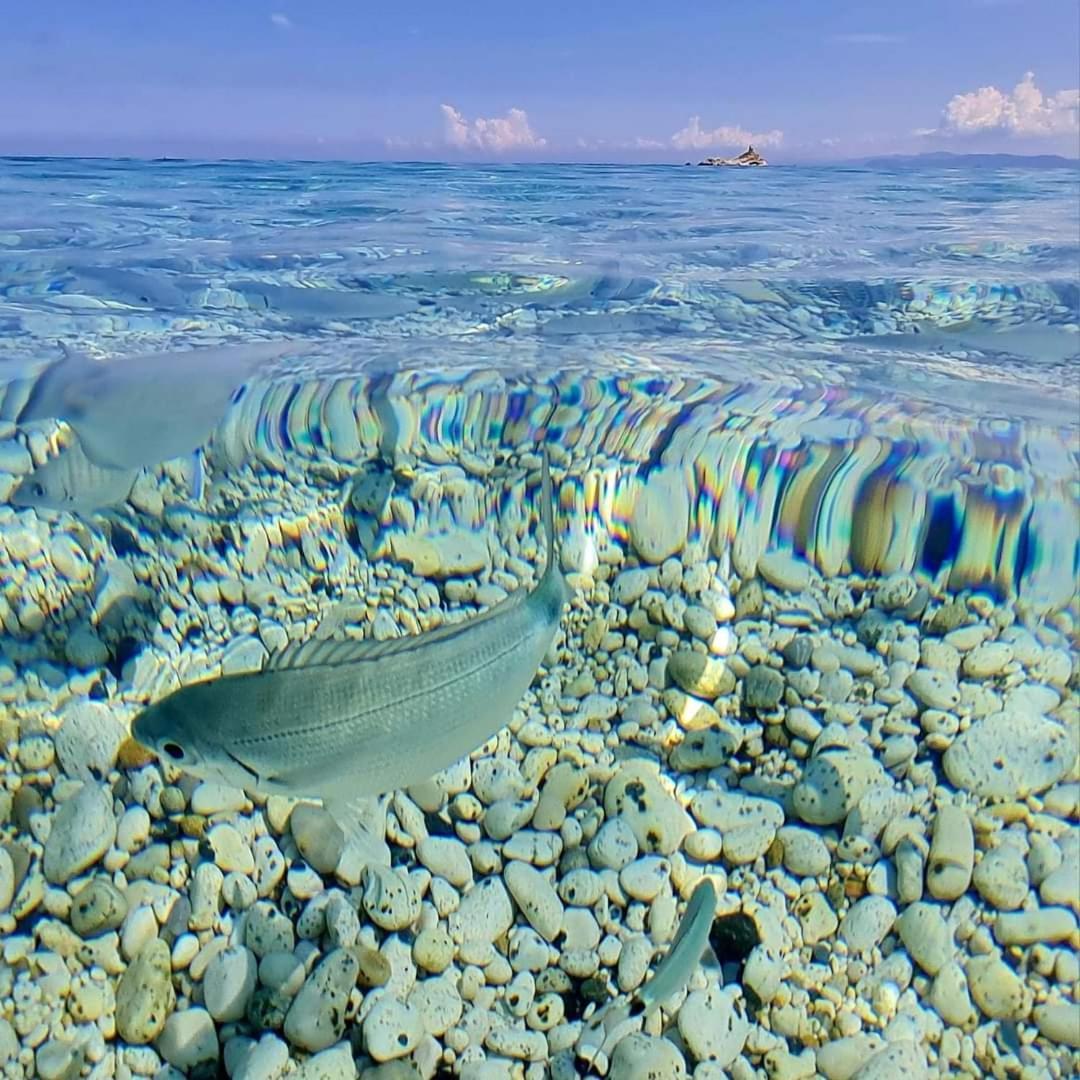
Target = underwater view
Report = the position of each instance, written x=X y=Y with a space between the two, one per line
x=538 y=621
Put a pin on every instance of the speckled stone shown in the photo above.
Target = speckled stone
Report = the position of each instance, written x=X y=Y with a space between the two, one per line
x=144 y=995
x=657 y=820
x=392 y=1029
x=316 y=1018
x=83 y=829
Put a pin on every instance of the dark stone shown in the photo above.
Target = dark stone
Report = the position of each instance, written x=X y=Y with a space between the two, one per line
x=797 y=651
x=871 y=626
x=733 y=937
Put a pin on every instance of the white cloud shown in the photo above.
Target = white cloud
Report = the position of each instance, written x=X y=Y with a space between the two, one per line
x=868 y=39
x=695 y=137
x=1026 y=110
x=497 y=133
x=282 y=22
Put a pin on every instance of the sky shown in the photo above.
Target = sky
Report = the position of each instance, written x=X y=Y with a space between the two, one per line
x=591 y=80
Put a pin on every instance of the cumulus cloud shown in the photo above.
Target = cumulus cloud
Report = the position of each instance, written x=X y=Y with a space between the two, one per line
x=1025 y=110
x=497 y=134
x=281 y=21
x=695 y=137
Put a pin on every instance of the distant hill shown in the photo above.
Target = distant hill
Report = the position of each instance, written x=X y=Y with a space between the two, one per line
x=1000 y=161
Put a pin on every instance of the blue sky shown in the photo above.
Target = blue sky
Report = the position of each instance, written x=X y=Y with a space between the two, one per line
x=590 y=80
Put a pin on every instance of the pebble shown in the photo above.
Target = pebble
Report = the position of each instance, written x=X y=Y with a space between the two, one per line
x=517 y=1043
x=188 y=1039
x=83 y=829
x=485 y=913
x=1009 y=755
x=229 y=982
x=805 y=854
x=1046 y=925
x=711 y=1026
x=1059 y=1021
x=832 y=783
x=565 y=786
x=951 y=998
x=97 y=908
x=392 y=1029
x=996 y=989
x=334 y=1063
x=144 y=995
x=784 y=571
x=88 y=739
x=763 y=687
x=660 y=516
x=390 y=898
x=231 y=851
x=816 y=917
x=867 y=922
x=644 y=1057
x=657 y=820
x=433 y=949
x=630 y=585
x=700 y=675
x=934 y=689
x=614 y=845
x=841 y=1058
x=536 y=897
x=319 y=837
x=316 y=1017
x=438 y=1003
x=266 y=1060
x=899 y=1058
x=1001 y=877
x=446 y=857
x=926 y=936
x=7 y=879
x=952 y=854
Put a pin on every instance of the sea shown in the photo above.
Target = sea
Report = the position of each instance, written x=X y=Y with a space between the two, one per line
x=814 y=433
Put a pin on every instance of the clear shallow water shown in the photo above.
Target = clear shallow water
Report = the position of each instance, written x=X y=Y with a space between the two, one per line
x=908 y=331
x=817 y=426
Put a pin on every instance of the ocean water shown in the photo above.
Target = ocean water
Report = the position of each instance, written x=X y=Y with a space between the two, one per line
x=815 y=441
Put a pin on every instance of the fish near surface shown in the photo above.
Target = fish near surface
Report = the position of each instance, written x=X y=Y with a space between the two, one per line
x=345 y=720
x=71 y=481
x=137 y=411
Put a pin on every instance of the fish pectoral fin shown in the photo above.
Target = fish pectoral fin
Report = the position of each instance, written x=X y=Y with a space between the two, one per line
x=363 y=820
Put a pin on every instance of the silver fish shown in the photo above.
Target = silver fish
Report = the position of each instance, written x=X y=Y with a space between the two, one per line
x=345 y=720
x=71 y=481
x=136 y=411
x=608 y=1026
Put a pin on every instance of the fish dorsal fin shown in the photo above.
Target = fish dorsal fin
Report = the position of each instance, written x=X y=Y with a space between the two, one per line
x=327 y=652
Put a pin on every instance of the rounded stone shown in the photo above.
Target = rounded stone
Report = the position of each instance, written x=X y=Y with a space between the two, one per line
x=536 y=897
x=1059 y=1021
x=867 y=922
x=188 y=1039
x=657 y=820
x=228 y=983
x=319 y=837
x=392 y=1029
x=316 y=1018
x=832 y=783
x=763 y=687
x=996 y=989
x=643 y=1057
x=390 y=898
x=805 y=853
x=83 y=829
x=98 y=908
x=711 y=1027
x=700 y=675
x=926 y=936
x=1009 y=755
x=433 y=949
x=485 y=913
x=952 y=854
x=1001 y=877
x=144 y=995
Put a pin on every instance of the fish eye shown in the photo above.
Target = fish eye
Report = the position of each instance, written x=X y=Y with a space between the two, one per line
x=173 y=750
x=37 y=489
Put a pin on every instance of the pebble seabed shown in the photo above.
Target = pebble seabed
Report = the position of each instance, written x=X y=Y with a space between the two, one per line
x=878 y=772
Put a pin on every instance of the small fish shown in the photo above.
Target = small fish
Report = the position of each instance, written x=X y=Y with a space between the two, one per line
x=609 y=1025
x=137 y=411
x=71 y=481
x=347 y=720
